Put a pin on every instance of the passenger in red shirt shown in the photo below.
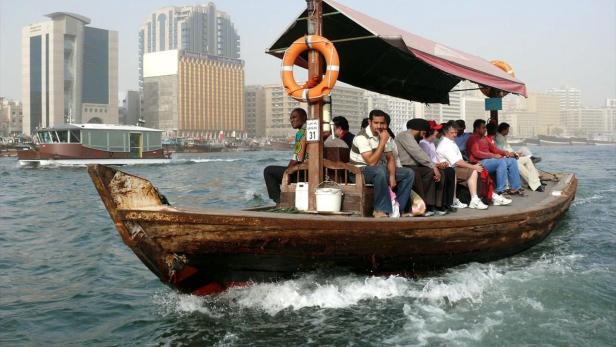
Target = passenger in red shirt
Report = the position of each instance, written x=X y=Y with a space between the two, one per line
x=495 y=160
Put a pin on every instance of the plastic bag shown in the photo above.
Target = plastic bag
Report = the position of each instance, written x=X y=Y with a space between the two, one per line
x=418 y=206
x=395 y=206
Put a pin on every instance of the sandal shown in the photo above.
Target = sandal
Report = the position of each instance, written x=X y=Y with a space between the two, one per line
x=519 y=192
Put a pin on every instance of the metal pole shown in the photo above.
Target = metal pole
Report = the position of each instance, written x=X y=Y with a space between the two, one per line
x=315 y=68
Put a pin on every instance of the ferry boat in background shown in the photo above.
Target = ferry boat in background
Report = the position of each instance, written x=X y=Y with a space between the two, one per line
x=545 y=140
x=83 y=144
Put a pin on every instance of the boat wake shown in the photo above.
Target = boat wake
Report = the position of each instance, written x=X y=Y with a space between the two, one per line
x=598 y=195
x=430 y=296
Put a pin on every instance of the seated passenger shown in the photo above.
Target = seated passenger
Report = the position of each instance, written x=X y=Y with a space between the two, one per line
x=465 y=171
x=273 y=174
x=369 y=145
x=494 y=160
x=446 y=188
x=427 y=174
x=462 y=138
x=525 y=164
x=341 y=130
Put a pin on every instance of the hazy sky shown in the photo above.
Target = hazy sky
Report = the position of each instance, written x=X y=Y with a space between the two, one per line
x=549 y=43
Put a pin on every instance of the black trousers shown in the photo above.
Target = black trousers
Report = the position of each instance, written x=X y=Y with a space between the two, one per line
x=424 y=184
x=447 y=186
x=273 y=179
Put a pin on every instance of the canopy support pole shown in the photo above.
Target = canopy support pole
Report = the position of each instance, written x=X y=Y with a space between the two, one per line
x=315 y=69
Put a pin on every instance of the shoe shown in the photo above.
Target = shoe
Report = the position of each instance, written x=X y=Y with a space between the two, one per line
x=452 y=209
x=477 y=204
x=499 y=200
x=428 y=214
x=407 y=214
x=540 y=189
x=440 y=212
x=519 y=192
x=458 y=204
x=379 y=214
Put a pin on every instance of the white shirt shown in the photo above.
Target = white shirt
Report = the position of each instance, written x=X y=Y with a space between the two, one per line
x=449 y=151
x=364 y=145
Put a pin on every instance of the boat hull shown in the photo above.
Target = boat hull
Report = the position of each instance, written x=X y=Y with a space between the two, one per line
x=204 y=251
x=77 y=154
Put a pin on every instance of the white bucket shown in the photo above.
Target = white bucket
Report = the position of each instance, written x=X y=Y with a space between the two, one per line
x=301 y=196
x=329 y=199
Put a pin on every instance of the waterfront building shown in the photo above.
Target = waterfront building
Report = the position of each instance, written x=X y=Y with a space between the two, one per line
x=70 y=72
x=350 y=103
x=399 y=110
x=278 y=106
x=198 y=29
x=193 y=94
x=588 y=122
x=130 y=112
x=11 y=117
x=465 y=102
x=346 y=101
x=547 y=107
x=569 y=98
x=254 y=101
x=523 y=123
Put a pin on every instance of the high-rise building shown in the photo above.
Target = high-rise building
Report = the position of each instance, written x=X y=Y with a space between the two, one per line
x=130 y=112
x=570 y=98
x=254 y=103
x=399 y=110
x=350 y=103
x=548 y=110
x=346 y=101
x=11 y=117
x=193 y=94
x=610 y=103
x=198 y=29
x=523 y=124
x=70 y=72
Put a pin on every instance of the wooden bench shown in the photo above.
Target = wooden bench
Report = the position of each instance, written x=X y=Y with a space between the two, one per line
x=357 y=195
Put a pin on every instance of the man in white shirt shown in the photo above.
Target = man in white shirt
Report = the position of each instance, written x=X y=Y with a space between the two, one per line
x=369 y=145
x=465 y=171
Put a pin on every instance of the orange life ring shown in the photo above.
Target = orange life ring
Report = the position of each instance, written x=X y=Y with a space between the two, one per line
x=324 y=88
x=488 y=91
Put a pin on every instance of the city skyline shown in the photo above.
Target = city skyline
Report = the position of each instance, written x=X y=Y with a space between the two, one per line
x=574 y=45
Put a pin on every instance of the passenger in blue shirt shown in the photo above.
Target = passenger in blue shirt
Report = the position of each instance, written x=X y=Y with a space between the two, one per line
x=462 y=138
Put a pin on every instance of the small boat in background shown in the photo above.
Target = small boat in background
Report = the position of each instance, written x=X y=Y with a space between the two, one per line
x=546 y=140
x=83 y=144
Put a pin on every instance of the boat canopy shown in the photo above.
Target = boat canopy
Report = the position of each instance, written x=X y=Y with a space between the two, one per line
x=382 y=58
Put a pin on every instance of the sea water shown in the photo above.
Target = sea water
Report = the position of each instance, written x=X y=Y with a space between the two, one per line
x=66 y=278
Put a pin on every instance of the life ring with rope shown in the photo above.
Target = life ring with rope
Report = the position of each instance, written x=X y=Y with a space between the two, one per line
x=316 y=88
x=492 y=92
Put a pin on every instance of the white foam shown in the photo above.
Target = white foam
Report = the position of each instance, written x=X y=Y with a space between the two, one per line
x=433 y=299
x=305 y=292
x=175 y=303
x=534 y=304
x=229 y=339
x=210 y=160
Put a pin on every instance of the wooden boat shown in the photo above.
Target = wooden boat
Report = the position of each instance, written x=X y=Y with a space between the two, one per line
x=82 y=144
x=206 y=251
